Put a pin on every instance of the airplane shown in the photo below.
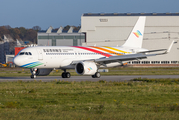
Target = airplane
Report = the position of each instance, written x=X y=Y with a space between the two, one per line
x=85 y=60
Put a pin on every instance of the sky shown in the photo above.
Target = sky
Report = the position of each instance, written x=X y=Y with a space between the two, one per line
x=56 y=13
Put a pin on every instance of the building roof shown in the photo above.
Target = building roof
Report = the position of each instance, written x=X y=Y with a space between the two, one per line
x=71 y=29
x=131 y=14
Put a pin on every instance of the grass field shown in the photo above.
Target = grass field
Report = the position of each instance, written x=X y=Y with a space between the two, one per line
x=7 y=72
x=137 y=99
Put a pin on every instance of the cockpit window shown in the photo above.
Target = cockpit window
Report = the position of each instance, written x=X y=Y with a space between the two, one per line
x=25 y=53
x=22 y=53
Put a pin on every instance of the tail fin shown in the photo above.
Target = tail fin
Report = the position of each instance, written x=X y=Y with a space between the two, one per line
x=136 y=36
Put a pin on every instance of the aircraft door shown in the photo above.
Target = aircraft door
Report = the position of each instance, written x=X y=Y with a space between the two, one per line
x=77 y=54
x=40 y=56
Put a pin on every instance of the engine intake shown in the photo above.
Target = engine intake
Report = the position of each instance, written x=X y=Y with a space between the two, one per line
x=86 y=68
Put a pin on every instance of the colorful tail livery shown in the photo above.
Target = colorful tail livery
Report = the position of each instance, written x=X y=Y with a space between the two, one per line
x=136 y=36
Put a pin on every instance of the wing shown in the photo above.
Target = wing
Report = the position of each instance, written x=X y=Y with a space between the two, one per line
x=138 y=56
x=166 y=50
x=128 y=57
x=122 y=58
x=149 y=51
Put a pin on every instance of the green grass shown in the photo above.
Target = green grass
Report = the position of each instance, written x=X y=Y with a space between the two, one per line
x=142 y=99
x=7 y=72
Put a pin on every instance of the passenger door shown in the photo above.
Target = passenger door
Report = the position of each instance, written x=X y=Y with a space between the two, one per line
x=40 y=56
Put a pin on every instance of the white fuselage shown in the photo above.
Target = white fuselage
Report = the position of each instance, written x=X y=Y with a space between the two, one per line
x=62 y=56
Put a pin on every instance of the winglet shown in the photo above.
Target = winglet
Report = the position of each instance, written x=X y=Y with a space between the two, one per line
x=168 y=50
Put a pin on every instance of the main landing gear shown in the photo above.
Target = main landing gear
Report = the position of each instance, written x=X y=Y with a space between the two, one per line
x=33 y=71
x=96 y=75
x=66 y=74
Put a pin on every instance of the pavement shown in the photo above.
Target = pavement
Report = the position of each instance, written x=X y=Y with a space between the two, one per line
x=85 y=78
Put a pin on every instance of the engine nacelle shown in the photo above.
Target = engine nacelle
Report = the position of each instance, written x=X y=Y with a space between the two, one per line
x=86 y=68
x=43 y=72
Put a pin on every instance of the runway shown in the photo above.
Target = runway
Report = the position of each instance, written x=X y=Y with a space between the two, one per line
x=85 y=78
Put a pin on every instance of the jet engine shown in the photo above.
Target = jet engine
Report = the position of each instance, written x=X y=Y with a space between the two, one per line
x=86 y=68
x=43 y=72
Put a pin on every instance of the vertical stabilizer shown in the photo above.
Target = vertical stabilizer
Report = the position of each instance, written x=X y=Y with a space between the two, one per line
x=136 y=36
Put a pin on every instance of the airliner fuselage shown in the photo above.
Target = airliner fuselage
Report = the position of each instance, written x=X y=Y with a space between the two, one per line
x=62 y=57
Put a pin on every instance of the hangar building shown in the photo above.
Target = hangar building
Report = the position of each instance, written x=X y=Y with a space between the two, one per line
x=59 y=37
x=104 y=29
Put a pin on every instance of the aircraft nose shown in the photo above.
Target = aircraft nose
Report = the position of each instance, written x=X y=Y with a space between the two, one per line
x=16 y=61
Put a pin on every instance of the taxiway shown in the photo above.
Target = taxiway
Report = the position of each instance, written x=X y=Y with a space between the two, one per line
x=86 y=78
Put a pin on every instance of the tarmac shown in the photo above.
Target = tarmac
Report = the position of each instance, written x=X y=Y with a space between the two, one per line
x=85 y=78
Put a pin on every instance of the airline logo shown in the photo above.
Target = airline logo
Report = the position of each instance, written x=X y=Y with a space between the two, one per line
x=137 y=34
x=89 y=68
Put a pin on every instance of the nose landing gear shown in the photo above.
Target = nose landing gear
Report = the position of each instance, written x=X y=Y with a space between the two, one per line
x=33 y=71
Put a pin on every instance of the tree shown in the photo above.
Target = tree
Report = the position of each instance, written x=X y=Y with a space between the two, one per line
x=66 y=28
x=20 y=33
x=8 y=27
x=31 y=35
x=3 y=31
x=23 y=32
x=36 y=28
x=15 y=32
x=76 y=28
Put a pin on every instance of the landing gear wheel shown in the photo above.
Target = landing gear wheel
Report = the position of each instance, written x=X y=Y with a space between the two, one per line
x=66 y=75
x=93 y=76
x=33 y=72
x=96 y=75
x=63 y=75
x=33 y=76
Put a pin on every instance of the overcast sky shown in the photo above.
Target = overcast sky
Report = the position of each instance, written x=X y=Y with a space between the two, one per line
x=56 y=13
